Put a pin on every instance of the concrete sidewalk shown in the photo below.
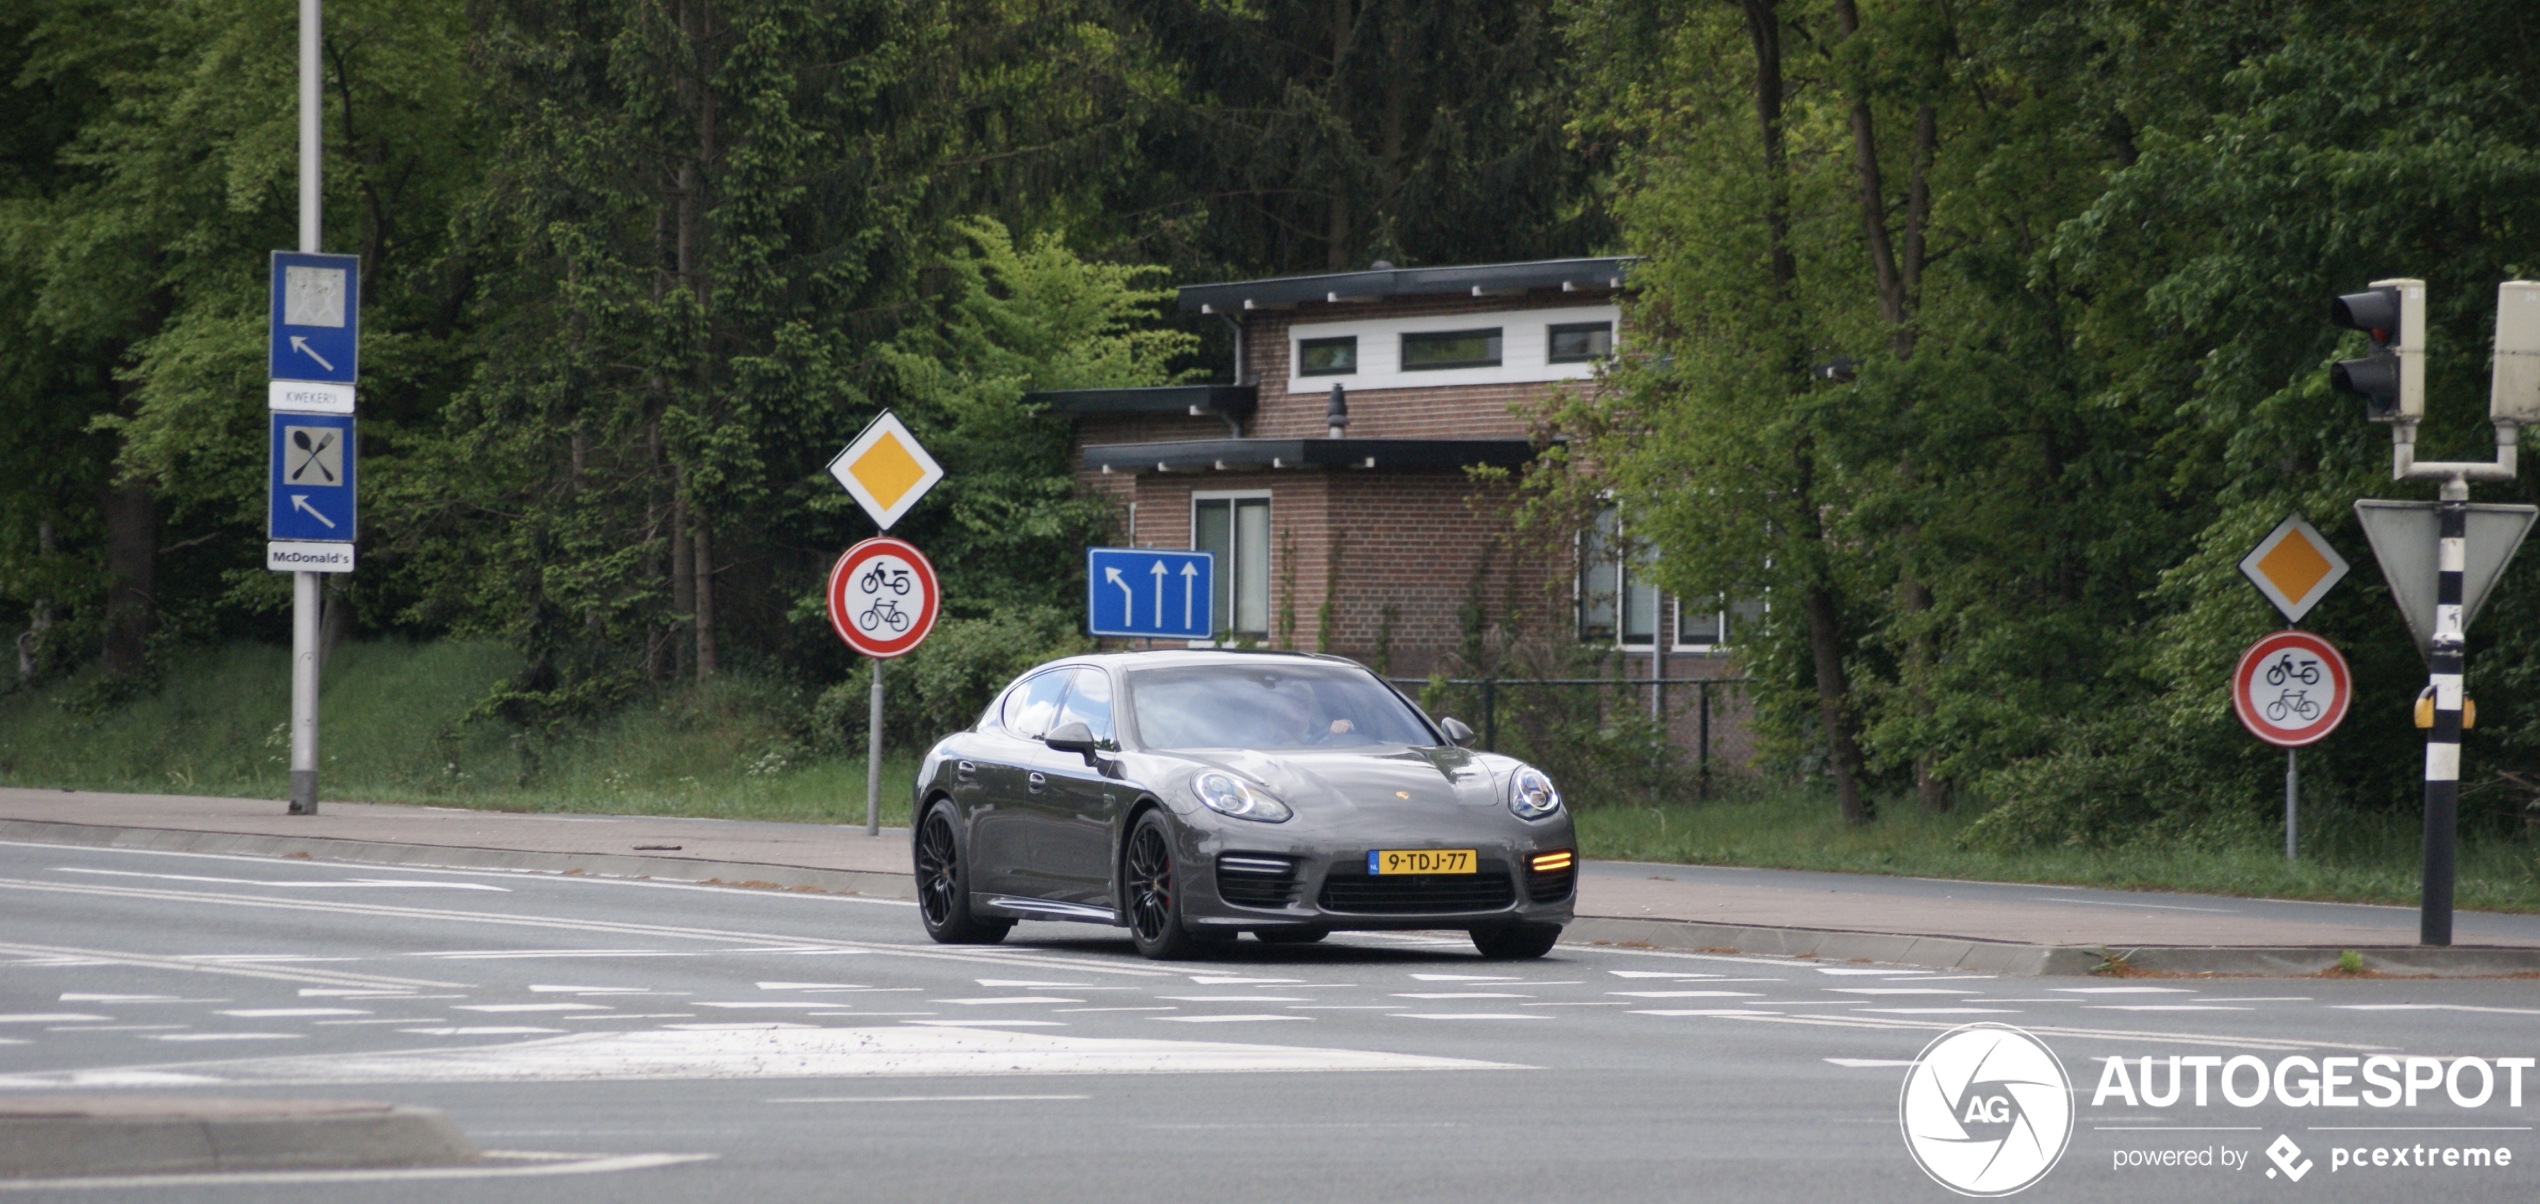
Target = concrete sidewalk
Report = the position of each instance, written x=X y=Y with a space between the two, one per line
x=1997 y=927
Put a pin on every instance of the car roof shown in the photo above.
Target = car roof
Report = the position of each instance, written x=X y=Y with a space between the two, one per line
x=1175 y=657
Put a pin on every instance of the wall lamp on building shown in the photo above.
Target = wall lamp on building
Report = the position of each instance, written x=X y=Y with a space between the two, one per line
x=1336 y=414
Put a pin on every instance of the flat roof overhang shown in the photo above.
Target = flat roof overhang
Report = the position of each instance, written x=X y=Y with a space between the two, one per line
x=1477 y=280
x=1196 y=400
x=1211 y=455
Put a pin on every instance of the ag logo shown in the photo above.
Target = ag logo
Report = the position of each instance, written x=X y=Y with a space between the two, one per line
x=1986 y=1110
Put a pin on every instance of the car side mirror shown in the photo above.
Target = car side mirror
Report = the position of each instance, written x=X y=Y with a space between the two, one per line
x=1455 y=730
x=1073 y=736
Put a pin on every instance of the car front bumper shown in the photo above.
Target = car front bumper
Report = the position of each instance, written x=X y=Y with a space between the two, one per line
x=1259 y=876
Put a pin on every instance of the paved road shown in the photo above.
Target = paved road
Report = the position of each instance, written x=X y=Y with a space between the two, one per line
x=816 y=1048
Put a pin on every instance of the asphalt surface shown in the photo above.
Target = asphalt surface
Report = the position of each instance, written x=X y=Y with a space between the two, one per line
x=690 y=1042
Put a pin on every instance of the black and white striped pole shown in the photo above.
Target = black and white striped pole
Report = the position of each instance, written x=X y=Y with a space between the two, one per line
x=2443 y=740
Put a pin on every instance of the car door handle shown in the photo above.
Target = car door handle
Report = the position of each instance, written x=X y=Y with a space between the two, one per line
x=1037 y=780
x=964 y=770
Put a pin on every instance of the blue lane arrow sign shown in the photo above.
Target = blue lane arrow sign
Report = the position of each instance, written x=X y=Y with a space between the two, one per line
x=312 y=496
x=317 y=318
x=1150 y=592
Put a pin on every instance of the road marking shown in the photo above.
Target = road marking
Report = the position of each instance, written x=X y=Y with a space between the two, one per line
x=1026 y=983
x=2160 y=1007
x=1225 y=980
x=2122 y=990
x=1607 y=1003
x=1467 y=978
x=340 y=978
x=380 y=1020
x=648 y=1016
x=1944 y=1011
x=1057 y=1011
x=1870 y=1063
x=2258 y=999
x=392 y=882
x=2432 y=1007
x=1466 y=1016
x=1702 y=1012
x=1900 y=1024
x=481 y=1030
x=77 y=997
x=48 y=1017
x=1009 y=999
x=260 y=1012
x=579 y=1165
x=787 y=1005
x=531 y=1007
x=990 y=1023
x=813 y=986
x=920 y=1099
x=1460 y=995
x=1234 y=998
x=1899 y=991
x=1228 y=1019
x=1685 y=994
x=551 y=989
x=228 y=1037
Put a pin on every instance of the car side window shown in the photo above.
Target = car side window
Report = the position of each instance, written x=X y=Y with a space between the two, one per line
x=1032 y=708
x=1089 y=703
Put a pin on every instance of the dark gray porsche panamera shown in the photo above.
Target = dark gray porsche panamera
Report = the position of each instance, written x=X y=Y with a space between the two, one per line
x=1194 y=796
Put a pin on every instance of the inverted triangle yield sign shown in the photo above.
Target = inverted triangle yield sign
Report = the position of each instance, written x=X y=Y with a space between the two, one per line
x=2403 y=536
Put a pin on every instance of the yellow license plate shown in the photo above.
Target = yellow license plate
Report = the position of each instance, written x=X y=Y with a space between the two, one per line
x=1420 y=861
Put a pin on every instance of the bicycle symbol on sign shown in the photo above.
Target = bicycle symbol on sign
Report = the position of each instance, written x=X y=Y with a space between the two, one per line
x=877 y=579
x=885 y=612
x=2293 y=704
x=2285 y=669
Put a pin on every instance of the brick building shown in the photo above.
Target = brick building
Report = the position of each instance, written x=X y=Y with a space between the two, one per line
x=1329 y=476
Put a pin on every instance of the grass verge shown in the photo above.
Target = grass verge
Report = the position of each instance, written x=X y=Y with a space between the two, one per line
x=2345 y=857
x=393 y=727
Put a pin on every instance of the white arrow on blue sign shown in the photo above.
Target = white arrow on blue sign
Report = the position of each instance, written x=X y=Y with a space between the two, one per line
x=317 y=318
x=312 y=487
x=1150 y=592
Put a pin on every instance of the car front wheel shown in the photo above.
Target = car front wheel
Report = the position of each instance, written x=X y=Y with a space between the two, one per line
x=1155 y=892
x=943 y=885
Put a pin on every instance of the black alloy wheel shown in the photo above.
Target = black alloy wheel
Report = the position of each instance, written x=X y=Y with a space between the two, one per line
x=943 y=885
x=1155 y=907
x=1516 y=942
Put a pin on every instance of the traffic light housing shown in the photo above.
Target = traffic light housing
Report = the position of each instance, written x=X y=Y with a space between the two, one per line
x=2391 y=380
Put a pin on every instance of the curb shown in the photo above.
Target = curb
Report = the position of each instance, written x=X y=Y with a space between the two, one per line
x=54 y=1137
x=461 y=857
x=2013 y=960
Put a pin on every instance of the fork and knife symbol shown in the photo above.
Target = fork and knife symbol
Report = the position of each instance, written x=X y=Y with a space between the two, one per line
x=300 y=439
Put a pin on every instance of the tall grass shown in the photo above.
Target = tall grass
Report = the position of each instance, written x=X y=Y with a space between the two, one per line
x=393 y=727
x=2346 y=856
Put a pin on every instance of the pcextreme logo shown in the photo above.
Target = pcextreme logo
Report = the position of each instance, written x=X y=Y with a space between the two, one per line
x=1986 y=1110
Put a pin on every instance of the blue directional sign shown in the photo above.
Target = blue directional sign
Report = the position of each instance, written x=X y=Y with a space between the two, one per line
x=1149 y=592
x=312 y=495
x=317 y=318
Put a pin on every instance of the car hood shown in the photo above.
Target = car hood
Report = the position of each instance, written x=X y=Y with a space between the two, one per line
x=1389 y=778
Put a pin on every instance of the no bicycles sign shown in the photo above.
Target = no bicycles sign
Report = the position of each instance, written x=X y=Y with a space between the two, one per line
x=2291 y=689
x=883 y=597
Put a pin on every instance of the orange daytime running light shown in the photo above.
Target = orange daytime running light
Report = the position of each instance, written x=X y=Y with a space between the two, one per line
x=1546 y=863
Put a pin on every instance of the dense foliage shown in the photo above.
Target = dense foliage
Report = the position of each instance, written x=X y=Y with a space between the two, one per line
x=1977 y=338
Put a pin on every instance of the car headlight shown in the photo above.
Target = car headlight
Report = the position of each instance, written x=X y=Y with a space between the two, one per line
x=1228 y=795
x=1531 y=795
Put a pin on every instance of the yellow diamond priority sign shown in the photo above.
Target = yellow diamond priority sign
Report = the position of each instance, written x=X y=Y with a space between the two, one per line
x=885 y=470
x=2294 y=567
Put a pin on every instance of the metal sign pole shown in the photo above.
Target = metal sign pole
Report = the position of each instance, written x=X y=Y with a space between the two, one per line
x=2443 y=741
x=2292 y=799
x=304 y=585
x=873 y=757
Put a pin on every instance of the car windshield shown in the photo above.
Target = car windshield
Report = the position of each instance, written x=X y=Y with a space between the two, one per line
x=1270 y=706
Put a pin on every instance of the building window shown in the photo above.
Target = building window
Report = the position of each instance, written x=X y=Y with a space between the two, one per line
x=1709 y=627
x=1236 y=530
x=1327 y=357
x=1618 y=605
x=1581 y=342
x=1438 y=350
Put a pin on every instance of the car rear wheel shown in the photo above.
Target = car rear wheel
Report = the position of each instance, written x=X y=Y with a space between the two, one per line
x=943 y=885
x=1516 y=942
x=1155 y=892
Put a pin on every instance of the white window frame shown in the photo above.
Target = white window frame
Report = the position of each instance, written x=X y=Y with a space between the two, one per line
x=1226 y=622
x=1622 y=593
x=1525 y=349
x=1725 y=625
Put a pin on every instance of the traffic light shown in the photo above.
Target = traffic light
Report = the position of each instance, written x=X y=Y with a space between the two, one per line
x=2390 y=380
